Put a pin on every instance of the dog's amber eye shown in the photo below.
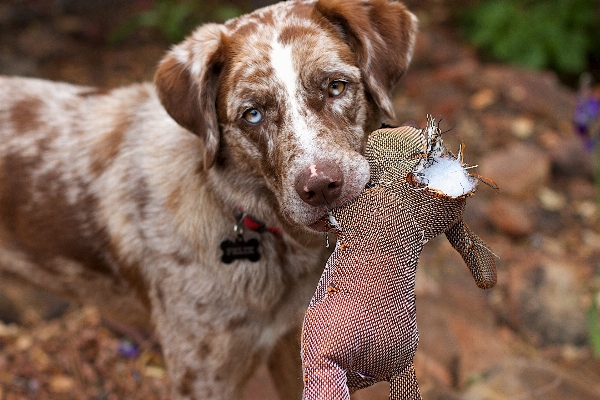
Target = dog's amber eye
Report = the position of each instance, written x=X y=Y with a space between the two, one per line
x=253 y=116
x=336 y=88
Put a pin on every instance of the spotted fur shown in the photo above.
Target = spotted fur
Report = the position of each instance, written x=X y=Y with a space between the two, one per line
x=121 y=197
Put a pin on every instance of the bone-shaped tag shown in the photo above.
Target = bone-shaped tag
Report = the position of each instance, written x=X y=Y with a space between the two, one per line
x=240 y=250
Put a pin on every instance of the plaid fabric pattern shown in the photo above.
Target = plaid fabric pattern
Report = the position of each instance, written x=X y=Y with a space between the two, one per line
x=360 y=326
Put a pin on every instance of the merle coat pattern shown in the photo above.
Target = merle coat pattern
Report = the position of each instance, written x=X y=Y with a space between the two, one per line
x=121 y=197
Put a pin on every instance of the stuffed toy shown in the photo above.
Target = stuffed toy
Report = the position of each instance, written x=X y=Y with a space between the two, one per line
x=360 y=327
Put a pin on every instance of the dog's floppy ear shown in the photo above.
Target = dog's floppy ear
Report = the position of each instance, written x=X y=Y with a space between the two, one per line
x=186 y=81
x=382 y=35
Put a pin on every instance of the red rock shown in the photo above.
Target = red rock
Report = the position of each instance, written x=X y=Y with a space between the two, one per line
x=582 y=189
x=519 y=170
x=569 y=157
x=511 y=217
x=545 y=299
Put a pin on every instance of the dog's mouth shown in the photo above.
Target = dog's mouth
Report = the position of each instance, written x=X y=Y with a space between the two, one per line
x=320 y=225
x=323 y=186
x=315 y=221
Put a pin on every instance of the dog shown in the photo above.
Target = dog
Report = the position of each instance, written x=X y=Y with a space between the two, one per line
x=192 y=206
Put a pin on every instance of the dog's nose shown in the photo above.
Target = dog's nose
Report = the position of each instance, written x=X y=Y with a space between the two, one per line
x=320 y=184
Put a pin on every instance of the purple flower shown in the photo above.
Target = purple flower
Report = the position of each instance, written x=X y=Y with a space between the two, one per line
x=127 y=349
x=587 y=113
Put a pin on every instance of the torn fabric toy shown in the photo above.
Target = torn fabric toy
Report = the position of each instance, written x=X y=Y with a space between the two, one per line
x=360 y=326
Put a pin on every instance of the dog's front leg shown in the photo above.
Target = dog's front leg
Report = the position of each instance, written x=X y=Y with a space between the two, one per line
x=285 y=366
x=210 y=349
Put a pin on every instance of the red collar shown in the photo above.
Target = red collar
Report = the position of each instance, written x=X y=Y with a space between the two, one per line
x=253 y=224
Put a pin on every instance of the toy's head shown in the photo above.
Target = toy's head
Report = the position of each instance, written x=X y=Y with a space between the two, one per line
x=432 y=185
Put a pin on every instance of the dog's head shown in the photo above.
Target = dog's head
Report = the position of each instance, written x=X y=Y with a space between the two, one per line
x=289 y=93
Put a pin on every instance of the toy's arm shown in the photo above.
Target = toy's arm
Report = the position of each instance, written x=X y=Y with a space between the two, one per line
x=478 y=257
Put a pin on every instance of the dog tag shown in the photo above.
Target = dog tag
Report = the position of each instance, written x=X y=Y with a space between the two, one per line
x=240 y=250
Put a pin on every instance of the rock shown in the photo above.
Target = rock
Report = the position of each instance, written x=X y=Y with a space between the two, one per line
x=483 y=99
x=8 y=311
x=587 y=210
x=551 y=222
x=581 y=189
x=537 y=93
x=519 y=170
x=437 y=48
x=568 y=156
x=458 y=332
x=10 y=65
x=61 y=384
x=522 y=127
x=591 y=239
x=23 y=303
x=522 y=378
x=551 y=200
x=497 y=128
x=546 y=299
x=40 y=42
x=511 y=217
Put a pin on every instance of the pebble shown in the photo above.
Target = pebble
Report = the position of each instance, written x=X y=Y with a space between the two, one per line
x=587 y=210
x=552 y=200
x=61 y=384
x=522 y=127
x=591 y=239
x=483 y=99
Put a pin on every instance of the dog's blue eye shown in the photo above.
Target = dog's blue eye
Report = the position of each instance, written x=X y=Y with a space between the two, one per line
x=336 y=88
x=253 y=116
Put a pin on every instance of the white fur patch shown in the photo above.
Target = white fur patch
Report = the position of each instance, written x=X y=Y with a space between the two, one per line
x=281 y=59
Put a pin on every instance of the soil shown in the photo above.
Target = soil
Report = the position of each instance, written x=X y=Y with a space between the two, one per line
x=527 y=338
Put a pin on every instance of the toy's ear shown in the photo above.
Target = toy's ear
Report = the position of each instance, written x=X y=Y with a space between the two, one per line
x=389 y=152
x=186 y=82
x=478 y=257
x=382 y=35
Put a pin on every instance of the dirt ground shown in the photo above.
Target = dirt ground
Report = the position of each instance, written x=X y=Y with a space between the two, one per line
x=528 y=338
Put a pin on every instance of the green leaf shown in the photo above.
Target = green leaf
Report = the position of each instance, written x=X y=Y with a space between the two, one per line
x=594 y=327
x=555 y=34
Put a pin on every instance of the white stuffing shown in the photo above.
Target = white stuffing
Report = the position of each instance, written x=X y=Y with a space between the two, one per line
x=447 y=175
x=439 y=169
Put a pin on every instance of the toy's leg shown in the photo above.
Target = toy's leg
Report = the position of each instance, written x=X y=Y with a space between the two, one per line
x=404 y=386
x=478 y=257
x=325 y=382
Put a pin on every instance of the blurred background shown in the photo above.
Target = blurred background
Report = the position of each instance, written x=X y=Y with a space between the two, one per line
x=511 y=79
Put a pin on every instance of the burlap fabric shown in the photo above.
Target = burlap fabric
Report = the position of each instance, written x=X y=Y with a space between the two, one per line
x=360 y=326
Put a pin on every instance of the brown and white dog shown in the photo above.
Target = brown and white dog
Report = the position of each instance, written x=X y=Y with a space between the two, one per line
x=123 y=197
